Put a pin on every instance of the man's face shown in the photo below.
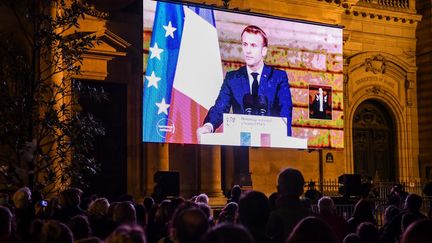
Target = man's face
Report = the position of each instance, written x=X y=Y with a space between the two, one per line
x=253 y=50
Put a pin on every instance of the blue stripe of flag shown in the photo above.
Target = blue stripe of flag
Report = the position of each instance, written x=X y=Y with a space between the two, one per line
x=164 y=68
x=205 y=13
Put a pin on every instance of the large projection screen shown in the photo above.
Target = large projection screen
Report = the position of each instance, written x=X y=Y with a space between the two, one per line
x=188 y=51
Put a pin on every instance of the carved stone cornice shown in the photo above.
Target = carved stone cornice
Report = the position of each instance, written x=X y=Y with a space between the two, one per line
x=384 y=15
x=377 y=9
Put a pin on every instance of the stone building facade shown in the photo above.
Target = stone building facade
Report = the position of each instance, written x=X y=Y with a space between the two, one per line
x=386 y=134
x=387 y=100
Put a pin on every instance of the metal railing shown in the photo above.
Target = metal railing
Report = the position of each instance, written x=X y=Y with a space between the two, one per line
x=330 y=187
x=347 y=210
x=382 y=189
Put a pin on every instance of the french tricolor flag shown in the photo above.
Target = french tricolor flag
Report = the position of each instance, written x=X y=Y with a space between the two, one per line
x=184 y=73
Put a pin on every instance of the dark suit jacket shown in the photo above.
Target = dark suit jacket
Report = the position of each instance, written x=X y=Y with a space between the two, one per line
x=315 y=106
x=273 y=85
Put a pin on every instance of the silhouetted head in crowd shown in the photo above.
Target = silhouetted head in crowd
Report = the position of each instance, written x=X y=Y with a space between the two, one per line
x=202 y=198
x=5 y=222
x=127 y=234
x=177 y=201
x=141 y=214
x=124 y=213
x=418 y=232
x=98 y=207
x=290 y=183
x=80 y=227
x=363 y=210
x=409 y=218
x=55 y=232
x=312 y=230
x=228 y=233
x=390 y=212
x=368 y=232
x=235 y=193
x=272 y=199
x=189 y=225
x=352 y=238
x=163 y=212
x=22 y=198
x=70 y=197
x=148 y=203
x=206 y=209
x=325 y=205
x=35 y=230
x=254 y=210
x=229 y=213
x=413 y=202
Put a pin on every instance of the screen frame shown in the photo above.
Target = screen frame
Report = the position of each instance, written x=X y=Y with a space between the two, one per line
x=247 y=12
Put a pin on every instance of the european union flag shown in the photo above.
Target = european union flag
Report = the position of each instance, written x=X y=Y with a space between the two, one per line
x=161 y=69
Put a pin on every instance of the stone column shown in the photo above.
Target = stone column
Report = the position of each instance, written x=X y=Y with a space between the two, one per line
x=210 y=174
x=156 y=159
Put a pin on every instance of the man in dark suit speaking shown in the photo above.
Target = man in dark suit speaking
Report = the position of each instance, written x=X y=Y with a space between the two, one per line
x=252 y=89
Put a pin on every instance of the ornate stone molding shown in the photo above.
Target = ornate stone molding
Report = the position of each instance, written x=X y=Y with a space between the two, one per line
x=399 y=5
x=388 y=16
x=385 y=10
x=375 y=64
x=375 y=90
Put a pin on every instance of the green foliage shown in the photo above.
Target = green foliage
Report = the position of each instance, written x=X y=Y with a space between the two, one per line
x=45 y=141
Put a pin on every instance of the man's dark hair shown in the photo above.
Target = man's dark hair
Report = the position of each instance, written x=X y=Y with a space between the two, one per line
x=409 y=218
x=418 y=232
x=368 y=232
x=124 y=213
x=291 y=183
x=53 y=231
x=149 y=203
x=413 y=202
x=352 y=238
x=127 y=233
x=71 y=197
x=254 y=209
x=312 y=229
x=252 y=29
x=235 y=194
x=228 y=233
x=190 y=225
x=80 y=227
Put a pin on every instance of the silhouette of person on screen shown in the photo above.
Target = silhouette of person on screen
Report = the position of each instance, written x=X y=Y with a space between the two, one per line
x=320 y=105
x=256 y=80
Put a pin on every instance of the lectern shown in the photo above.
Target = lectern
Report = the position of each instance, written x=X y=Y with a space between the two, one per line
x=255 y=131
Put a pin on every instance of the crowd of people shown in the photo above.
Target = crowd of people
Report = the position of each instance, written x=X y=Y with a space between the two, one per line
x=248 y=216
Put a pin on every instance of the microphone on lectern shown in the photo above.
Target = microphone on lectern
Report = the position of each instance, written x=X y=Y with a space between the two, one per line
x=262 y=105
x=248 y=104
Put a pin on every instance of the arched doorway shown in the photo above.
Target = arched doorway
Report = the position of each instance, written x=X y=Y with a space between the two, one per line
x=374 y=141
